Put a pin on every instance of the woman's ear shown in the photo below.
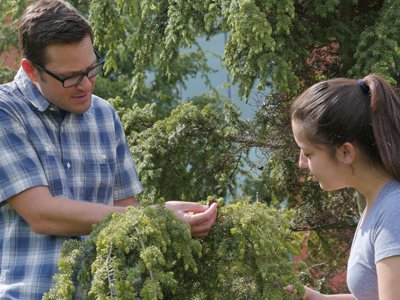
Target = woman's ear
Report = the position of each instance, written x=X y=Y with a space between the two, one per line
x=30 y=70
x=346 y=153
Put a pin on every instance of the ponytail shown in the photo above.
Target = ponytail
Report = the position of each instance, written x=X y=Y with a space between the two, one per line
x=385 y=119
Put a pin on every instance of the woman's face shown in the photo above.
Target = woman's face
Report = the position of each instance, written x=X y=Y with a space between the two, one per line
x=326 y=170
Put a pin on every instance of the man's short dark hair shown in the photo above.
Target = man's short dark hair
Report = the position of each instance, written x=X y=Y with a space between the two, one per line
x=48 y=22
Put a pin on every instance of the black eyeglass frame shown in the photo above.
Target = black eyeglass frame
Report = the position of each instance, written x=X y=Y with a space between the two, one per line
x=81 y=74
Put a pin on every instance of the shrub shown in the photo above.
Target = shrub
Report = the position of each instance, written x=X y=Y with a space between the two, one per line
x=148 y=254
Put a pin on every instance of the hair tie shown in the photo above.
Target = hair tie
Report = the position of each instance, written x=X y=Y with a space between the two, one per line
x=363 y=86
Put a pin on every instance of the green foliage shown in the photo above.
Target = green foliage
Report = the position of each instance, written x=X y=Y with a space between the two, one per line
x=270 y=43
x=246 y=254
x=8 y=38
x=158 y=31
x=12 y=8
x=255 y=50
x=278 y=46
x=381 y=43
x=6 y=74
x=191 y=147
x=148 y=254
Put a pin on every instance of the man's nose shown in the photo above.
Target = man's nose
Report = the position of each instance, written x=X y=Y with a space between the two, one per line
x=86 y=83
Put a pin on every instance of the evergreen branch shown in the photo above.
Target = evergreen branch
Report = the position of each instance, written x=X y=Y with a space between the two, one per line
x=151 y=273
x=337 y=225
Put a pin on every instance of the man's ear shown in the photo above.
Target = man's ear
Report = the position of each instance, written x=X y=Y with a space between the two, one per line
x=30 y=70
x=346 y=153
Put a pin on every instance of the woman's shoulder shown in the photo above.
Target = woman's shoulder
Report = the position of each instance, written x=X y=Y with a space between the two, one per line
x=386 y=207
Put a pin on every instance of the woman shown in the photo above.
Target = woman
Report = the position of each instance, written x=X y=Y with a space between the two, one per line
x=348 y=132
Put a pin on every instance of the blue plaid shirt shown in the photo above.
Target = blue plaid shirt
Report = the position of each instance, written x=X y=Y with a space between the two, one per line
x=78 y=156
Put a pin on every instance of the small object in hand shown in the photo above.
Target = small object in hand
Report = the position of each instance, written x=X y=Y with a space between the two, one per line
x=193 y=212
x=189 y=213
x=211 y=201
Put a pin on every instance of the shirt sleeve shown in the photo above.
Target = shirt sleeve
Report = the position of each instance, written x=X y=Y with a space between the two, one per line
x=20 y=167
x=127 y=183
x=387 y=237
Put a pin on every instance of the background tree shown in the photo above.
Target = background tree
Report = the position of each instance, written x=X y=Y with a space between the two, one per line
x=191 y=150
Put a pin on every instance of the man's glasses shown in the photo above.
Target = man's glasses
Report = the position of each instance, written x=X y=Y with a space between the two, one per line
x=75 y=80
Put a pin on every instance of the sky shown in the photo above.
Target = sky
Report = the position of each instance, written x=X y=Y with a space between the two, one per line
x=214 y=49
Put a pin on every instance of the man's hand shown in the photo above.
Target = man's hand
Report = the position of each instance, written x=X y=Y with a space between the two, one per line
x=200 y=217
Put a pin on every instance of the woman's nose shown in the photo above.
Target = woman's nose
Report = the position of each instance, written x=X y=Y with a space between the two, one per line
x=303 y=161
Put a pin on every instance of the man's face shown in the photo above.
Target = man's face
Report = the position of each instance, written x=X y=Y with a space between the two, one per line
x=66 y=60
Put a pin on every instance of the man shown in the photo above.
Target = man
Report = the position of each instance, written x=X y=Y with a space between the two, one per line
x=64 y=160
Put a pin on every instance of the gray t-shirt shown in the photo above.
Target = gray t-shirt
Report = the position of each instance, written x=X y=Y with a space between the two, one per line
x=378 y=237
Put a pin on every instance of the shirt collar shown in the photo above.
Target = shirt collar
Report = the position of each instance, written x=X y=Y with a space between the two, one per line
x=31 y=92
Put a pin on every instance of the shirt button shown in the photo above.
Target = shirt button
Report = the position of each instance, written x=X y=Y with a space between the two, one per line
x=68 y=165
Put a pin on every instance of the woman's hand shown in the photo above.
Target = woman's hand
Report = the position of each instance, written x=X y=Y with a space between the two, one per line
x=200 y=217
x=309 y=294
